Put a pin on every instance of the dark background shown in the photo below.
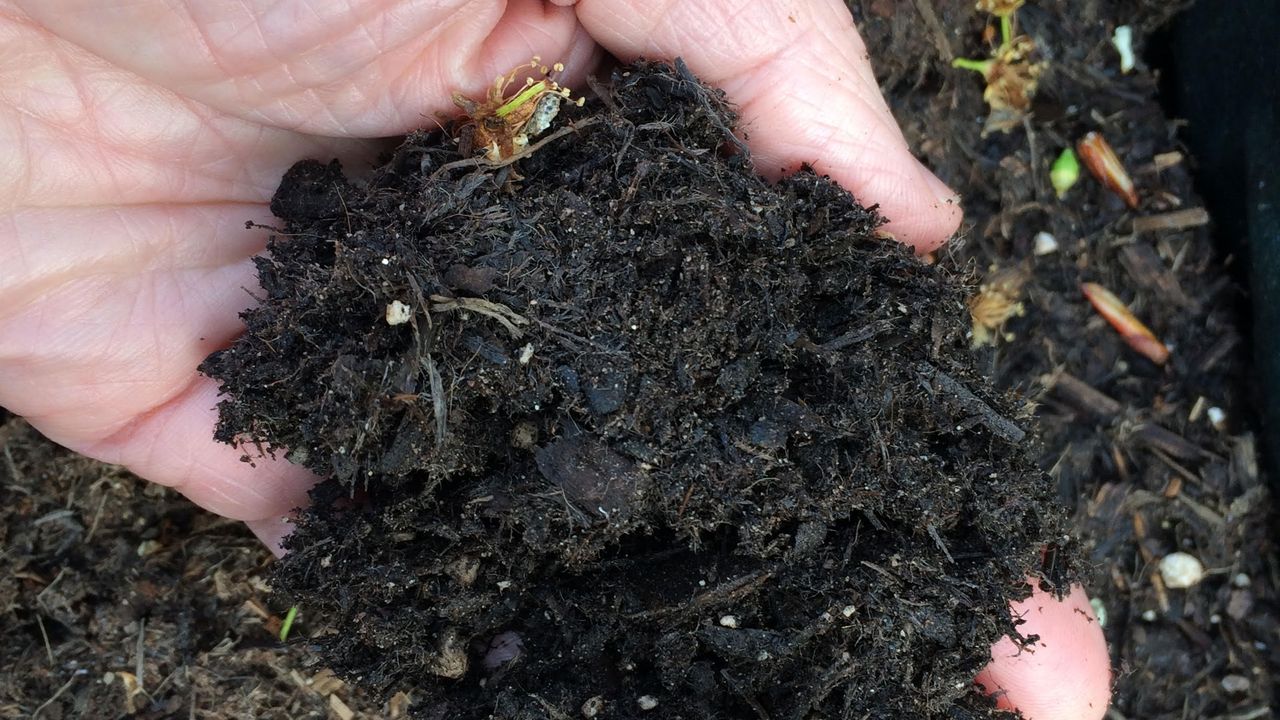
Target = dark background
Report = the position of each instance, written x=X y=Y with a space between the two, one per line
x=1220 y=63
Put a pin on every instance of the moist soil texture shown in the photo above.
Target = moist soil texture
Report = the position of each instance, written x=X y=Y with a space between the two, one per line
x=622 y=426
x=120 y=599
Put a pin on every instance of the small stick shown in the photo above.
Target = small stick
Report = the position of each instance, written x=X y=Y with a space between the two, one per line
x=56 y=695
x=999 y=425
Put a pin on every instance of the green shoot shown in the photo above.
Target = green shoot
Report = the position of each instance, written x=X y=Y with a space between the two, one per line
x=522 y=97
x=1006 y=29
x=1064 y=172
x=981 y=66
x=288 y=623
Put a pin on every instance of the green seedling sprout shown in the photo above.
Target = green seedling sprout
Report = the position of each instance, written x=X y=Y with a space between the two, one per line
x=287 y=625
x=1065 y=172
x=979 y=66
x=529 y=92
x=1006 y=36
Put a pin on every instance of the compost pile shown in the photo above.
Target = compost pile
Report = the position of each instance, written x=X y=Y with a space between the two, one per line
x=622 y=430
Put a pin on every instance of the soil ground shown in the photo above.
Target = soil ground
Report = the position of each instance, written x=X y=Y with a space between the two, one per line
x=122 y=598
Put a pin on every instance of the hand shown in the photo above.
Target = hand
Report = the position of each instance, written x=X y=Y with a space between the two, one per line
x=136 y=140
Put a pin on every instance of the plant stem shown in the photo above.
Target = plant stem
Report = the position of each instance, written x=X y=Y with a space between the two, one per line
x=288 y=623
x=1006 y=29
x=982 y=66
x=521 y=98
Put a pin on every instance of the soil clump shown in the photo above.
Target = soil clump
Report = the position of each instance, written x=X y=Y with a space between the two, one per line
x=621 y=425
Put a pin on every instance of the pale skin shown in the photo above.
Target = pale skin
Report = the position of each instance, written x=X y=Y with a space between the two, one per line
x=136 y=140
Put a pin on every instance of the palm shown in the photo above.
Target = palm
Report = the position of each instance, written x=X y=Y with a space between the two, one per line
x=136 y=141
x=129 y=256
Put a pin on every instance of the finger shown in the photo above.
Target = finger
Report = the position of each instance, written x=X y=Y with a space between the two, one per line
x=173 y=445
x=272 y=531
x=1066 y=674
x=112 y=320
x=801 y=79
x=360 y=68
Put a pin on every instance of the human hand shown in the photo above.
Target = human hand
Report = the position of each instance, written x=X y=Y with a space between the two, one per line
x=136 y=140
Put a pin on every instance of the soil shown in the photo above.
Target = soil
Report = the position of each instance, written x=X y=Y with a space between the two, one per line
x=1130 y=446
x=638 y=439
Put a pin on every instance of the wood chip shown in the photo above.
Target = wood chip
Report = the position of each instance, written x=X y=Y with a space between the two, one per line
x=340 y=708
x=1083 y=396
x=1171 y=221
x=1175 y=445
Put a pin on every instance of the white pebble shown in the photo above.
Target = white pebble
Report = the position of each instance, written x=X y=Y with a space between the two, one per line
x=1149 y=615
x=1217 y=418
x=1181 y=570
x=1235 y=684
x=1045 y=244
x=848 y=611
x=728 y=621
x=398 y=313
x=1123 y=40
x=526 y=354
x=647 y=702
x=1099 y=611
x=1241 y=580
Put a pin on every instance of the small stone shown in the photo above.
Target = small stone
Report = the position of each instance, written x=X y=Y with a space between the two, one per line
x=1045 y=244
x=848 y=611
x=526 y=354
x=1241 y=580
x=1149 y=615
x=398 y=313
x=1235 y=684
x=1181 y=570
x=728 y=621
x=1239 y=604
x=1099 y=611
x=146 y=547
x=647 y=702
x=1217 y=418
x=1122 y=39
x=593 y=706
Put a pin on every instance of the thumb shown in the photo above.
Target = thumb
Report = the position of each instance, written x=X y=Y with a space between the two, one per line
x=1065 y=674
x=801 y=79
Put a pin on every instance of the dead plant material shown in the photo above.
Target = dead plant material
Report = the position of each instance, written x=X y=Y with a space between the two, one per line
x=1171 y=221
x=1106 y=167
x=998 y=299
x=502 y=124
x=1131 y=329
x=1012 y=78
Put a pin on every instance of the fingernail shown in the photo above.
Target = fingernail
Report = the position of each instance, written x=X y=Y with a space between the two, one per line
x=941 y=192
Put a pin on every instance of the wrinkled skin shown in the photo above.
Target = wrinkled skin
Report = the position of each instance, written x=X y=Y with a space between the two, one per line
x=136 y=140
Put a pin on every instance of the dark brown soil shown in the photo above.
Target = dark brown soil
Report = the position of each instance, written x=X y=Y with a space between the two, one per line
x=119 y=598
x=1131 y=446
x=657 y=432
x=70 y=528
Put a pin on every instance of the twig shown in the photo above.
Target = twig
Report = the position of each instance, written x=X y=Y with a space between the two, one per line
x=47 y=647
x=139 y=667
x=506 y=316
x=937 y=538
x=999 y=425
x=56 y=695
x=437 y=397
x=484 y=162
